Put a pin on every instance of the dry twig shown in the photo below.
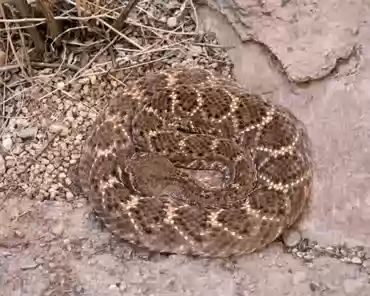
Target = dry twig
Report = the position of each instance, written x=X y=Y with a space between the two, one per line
x=120 y=21
x=25 y=10
x=53 y=25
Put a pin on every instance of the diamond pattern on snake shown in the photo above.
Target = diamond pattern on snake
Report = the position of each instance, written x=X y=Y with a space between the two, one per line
x=139 y=163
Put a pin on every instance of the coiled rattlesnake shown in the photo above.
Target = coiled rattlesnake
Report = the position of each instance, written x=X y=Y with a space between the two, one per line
x=136 y=165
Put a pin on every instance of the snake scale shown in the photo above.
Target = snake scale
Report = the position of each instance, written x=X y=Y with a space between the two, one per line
x=139 y=161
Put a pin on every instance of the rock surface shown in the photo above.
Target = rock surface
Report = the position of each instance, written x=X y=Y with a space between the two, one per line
x=307 y=37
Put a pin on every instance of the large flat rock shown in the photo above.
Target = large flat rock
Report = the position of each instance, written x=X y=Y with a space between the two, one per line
x=307 y=37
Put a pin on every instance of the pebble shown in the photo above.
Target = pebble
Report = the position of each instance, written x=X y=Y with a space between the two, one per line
x=58 y=229
x=58 y=128
x=356 y=260
x=195 y=51
x=29 y=264
x=75 y=156
x=86 y=90
x=112 y=286
x=45 y=161
x=62 y=175
x=93 y=79
x=7 y=144
x=17 y=150
x=6 y=254
x=2 y=165
x=68 y=181
x=291 y=238
x=19 y=233
x=172 y=22
x=314 y=286
x=84 y=80
x=53 y=194
x=69 y=196
x=60 y=85
x=308 y=257
x=27 y=133
x=50 y=168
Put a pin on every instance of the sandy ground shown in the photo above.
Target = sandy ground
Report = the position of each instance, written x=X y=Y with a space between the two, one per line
x=311 y=57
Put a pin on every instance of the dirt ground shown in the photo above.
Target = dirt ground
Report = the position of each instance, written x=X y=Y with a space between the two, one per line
x=311 y=56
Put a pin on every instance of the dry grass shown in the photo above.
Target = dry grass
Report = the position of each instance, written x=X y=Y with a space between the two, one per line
x=82 y=46
x=75 y=41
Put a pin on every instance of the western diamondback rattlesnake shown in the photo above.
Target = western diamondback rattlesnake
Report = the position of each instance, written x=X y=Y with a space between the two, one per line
x=136 y=165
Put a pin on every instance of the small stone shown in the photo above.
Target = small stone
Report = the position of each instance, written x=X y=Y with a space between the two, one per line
x=356 y=260
x=62 y=175
x=53 y=194
x=58 y=128
x=27 y=133
x=7 y=144
x=172 y=22
x=2 y=165
x=93 y=79
x=195 y=51
x=45 y=161
x=92 y=115
x=10 y=162
x=6 y=254
x=58 y=229
x=68 y=181
x=75 y=156
x=17 y=150
x=19 y=233
x=79 y=138
x=60 y=85
x=84 y=80
x=50 y=168
x=291 y=238
x=112 y=286
x=69 y=196
x=308 y=257
x=29 y=264
x=314 y=286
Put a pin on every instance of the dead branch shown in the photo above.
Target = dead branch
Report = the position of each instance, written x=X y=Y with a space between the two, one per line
x=120 y=21
x=25 y=10
x=53 y=25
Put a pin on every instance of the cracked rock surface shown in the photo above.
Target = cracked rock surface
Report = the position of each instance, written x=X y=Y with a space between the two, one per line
x=307 y=37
